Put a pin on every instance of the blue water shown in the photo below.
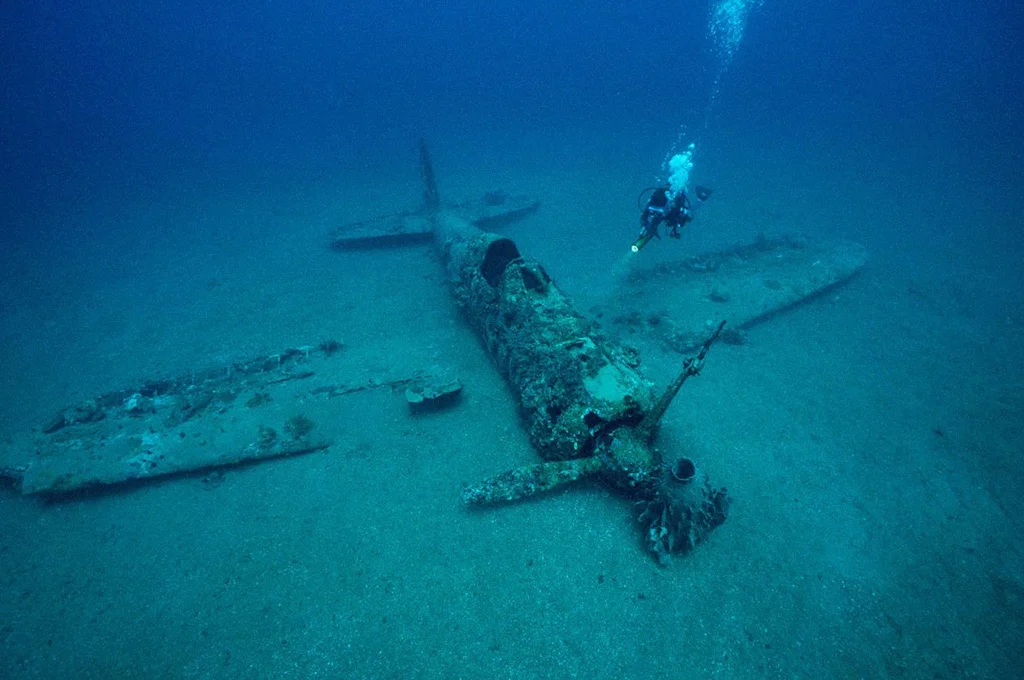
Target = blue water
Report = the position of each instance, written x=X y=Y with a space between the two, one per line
x=104 y=96
x=170 y=172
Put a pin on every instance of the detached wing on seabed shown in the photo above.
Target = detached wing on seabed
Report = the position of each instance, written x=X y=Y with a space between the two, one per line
x=679 y=301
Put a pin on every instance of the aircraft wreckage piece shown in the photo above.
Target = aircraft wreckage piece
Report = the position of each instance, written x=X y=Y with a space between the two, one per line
x=493 y=210
x=269 y=407
x=588 y=409
x=745 y=284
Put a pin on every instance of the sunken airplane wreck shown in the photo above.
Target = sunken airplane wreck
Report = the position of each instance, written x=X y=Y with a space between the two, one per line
x=589 y=410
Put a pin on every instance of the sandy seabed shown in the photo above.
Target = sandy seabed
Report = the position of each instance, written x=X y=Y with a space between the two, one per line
x=870 y=439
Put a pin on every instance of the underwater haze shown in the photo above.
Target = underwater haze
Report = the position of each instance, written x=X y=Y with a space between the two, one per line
x=173 y=175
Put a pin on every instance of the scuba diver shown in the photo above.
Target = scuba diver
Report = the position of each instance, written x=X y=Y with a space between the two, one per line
x=674 y=210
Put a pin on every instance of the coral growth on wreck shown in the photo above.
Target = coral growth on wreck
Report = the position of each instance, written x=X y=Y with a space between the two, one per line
x=683 y=509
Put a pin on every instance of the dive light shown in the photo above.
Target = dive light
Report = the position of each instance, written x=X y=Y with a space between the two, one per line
x=644 y=239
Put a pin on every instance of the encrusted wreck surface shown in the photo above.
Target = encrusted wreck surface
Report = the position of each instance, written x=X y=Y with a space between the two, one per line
x=588 y=408
x=570 y=382
x=272 y=406
x=680 y=301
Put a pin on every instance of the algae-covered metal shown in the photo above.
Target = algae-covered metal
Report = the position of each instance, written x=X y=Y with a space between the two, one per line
x=570 y=382
x=676 y=301
x=272 y=406
x=588 y=408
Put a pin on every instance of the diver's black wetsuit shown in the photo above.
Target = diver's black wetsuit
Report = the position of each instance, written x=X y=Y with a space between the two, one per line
x=675 y=212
